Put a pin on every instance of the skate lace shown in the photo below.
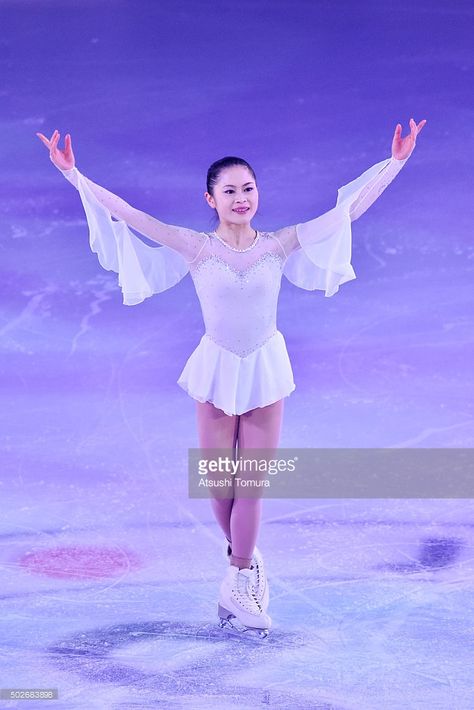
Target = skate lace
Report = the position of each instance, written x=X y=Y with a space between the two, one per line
x=259 y=579
x=245 y=594
x=258 y=582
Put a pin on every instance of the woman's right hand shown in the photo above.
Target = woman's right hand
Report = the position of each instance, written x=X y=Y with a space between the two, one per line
x=63 y=159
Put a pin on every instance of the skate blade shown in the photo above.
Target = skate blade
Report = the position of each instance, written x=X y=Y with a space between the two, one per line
x=230 y=623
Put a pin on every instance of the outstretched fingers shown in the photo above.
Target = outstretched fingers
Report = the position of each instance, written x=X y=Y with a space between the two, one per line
x=420 y=125
x=416 y=128
x=45 y=140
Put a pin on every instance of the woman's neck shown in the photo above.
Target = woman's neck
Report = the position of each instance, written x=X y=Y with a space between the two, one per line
x=237 y=235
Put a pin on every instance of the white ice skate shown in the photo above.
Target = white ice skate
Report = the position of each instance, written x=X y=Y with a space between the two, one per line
x=238 y=607
x=259 y=577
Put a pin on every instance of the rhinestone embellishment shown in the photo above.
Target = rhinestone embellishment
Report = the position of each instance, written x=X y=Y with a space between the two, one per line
x=214 y=234
x=239 y=295
x=240 y=273
x=243 y=353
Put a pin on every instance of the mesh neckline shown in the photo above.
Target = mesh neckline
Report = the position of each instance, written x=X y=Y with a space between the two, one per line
x=233 y=248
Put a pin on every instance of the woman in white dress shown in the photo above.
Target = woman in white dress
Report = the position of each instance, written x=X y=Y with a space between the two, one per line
x=240 y=372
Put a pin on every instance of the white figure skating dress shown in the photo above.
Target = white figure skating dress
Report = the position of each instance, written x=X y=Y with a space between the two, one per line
x=241 y=361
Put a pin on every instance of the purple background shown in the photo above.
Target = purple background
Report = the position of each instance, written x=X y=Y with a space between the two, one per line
x=370 y=598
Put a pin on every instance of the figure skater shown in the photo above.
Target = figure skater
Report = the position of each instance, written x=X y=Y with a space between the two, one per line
x=240 y=372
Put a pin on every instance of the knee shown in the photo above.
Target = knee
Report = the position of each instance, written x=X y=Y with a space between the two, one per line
x=222 y=503
x=251 y=503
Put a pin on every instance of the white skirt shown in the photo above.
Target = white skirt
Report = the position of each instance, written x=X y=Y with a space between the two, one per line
x=237 y=384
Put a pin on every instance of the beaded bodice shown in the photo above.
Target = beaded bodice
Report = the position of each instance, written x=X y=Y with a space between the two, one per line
x=238 y=291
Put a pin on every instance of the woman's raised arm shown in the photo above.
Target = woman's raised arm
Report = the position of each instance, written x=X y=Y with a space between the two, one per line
x=356 y=197
x=319 y=251
x=186 y=242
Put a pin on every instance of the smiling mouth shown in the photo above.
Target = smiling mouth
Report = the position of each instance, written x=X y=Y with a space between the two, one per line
x=241 y=209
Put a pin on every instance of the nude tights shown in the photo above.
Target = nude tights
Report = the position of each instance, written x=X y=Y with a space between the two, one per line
x=239 y=517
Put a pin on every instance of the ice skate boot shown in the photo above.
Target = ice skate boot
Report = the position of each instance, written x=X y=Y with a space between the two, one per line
x=238 y=608
x=259 y=577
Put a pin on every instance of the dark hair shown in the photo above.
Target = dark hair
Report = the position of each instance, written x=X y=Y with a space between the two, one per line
x=219 y=165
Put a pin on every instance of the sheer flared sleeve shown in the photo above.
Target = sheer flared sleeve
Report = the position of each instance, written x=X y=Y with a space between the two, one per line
x=142 y=270
x=319 y=251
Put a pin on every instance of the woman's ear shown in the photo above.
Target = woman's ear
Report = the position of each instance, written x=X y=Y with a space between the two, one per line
x=210 y=200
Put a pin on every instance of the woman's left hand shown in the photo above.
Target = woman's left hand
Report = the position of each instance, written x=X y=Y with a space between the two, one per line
x=403 y=147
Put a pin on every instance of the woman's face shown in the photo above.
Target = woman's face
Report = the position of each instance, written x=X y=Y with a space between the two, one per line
x=235 y=195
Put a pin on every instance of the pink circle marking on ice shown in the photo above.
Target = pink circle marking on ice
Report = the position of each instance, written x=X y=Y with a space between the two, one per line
x=81 y=562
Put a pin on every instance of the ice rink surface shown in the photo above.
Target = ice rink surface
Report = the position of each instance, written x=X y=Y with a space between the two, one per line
x=110 y=571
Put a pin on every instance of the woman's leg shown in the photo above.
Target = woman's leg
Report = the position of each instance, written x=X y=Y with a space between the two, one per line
x=258 y=428
x=218 y=430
